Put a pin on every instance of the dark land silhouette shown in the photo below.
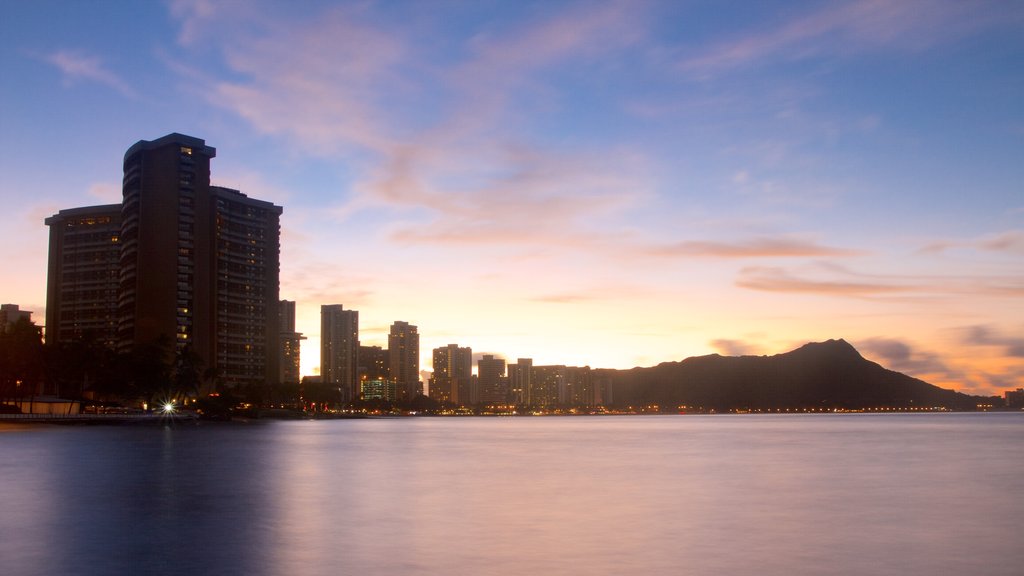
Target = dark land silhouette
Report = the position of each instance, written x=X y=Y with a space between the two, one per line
x=822 y=375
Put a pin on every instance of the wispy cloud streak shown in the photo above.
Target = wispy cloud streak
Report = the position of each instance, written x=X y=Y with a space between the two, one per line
x=76 y=66
x=843 y=28
x=755 y=248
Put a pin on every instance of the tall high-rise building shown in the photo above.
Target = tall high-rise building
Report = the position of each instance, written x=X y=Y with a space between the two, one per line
x=289 y=365
x=493 y=384
x=83 y=272
x=580 y=389
x=520 y=379
x=404 y=360
x=453 y=370
x=247 y=249
x=198 y=265
x=547 y=386
x=339 y=349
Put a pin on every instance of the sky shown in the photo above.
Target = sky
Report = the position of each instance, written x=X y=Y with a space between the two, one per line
x=611 y=184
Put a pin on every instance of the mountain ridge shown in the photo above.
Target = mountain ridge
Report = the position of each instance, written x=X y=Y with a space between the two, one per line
x=818 y=375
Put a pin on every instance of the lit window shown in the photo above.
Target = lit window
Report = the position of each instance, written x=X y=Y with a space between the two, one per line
x=186 y=150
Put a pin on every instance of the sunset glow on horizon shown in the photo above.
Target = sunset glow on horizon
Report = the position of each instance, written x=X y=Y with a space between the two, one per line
x=612 y=184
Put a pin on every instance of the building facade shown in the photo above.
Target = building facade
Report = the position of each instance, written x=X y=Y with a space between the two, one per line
x=198 y=266
x=378 y=389
x=339 y=349
x=452 y=379
x=83 y=274
x=492 y=381
x=373 y=363
x=290 y=342
x=547 y=386
x=520 y=380
x=11 y=314
x=404 y=360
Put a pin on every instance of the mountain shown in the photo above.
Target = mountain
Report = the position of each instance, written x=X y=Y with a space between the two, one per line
x=818 y=375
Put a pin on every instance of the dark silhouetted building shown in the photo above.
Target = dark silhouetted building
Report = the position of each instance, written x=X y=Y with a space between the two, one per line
x=373 y=363
x=404 y=360
x=198 y=265
x=492 y=381
x=520 y=377
x=339 y=349
x=83 y=275
x=453 y=370
x=290 y=342
x=547 y=386
x=1014 y=398
x=11 y=314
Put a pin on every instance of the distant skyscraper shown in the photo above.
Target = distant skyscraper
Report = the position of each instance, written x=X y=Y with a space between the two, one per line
x=290 y=365
x=198 y=265
x=83 y=275
x=580 y=389
x=339 y=349
x=547 y=386
x=520 y=377
x=493 y=384
x=373 y=363
x=453 y=370
x=404 y=360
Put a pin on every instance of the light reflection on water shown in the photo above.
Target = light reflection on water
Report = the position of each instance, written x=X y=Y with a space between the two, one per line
x=840 y=494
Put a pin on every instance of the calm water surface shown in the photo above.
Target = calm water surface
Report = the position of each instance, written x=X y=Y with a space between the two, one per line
x=931 y=494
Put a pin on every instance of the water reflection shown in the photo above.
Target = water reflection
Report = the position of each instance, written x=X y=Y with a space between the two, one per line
x=858 y=494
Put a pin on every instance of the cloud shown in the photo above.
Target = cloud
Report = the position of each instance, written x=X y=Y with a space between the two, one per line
x=755 y=248
x=563 y=298
x=478 y=355
x=105 y=192
x=853 y=27
x=76 y=66
x=194 y=15
x=829 y=279
x=966 y=375
x=771 y=279
x=436 y=139
x=985 y=335
x=521 y=195
x=728 y=347
x=1009 y=242
x=901 y=356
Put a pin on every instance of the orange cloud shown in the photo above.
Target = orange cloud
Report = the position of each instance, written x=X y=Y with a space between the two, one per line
x=756 y=248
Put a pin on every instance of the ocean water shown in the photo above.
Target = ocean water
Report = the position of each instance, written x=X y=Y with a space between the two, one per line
x=857 y=494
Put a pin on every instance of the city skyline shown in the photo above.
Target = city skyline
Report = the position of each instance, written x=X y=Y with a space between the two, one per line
x=609 y=184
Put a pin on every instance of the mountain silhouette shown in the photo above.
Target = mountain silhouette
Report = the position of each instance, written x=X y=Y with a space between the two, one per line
x=819 y=375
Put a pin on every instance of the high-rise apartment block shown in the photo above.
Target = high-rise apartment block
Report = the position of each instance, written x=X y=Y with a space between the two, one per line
x=84 y=275
x=520 y=380
x=197 y=265
x=453 y=371
x=404 y=360
x=547 y=386
x=492 y=381
x=289 y=364
x=339 y=349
